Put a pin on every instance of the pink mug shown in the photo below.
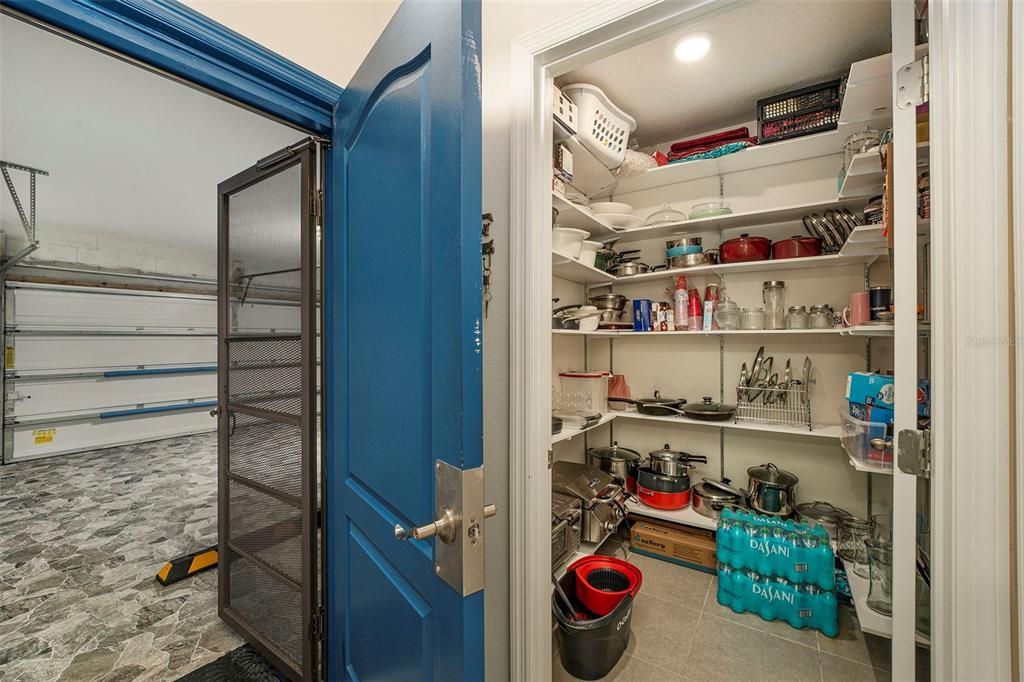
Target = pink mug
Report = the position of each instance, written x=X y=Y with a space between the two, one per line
x=859 y=310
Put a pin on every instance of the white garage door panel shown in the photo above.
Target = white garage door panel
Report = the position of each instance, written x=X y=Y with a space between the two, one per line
x=35 y=398
x=84 y=308
x=33 y=353
x=31 y=442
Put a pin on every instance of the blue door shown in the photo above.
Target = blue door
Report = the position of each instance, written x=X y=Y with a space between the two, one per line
x=402 y=304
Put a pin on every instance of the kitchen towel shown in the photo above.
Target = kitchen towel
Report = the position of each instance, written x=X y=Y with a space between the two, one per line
x=711 y=140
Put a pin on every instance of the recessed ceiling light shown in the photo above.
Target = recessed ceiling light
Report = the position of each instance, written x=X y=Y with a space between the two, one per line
x=693 y=46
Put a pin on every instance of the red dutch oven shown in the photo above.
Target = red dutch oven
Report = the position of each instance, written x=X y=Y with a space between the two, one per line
x=744 y=248
x=604 y=581
x=661 y=491
x=796 y=247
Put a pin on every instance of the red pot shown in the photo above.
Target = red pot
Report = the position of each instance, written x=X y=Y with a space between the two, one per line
x=744 y=248
x=661 y=500
x=602 y=582
x=796 y=247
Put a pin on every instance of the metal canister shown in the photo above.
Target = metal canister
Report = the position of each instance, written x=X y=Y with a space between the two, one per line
x=880 y=300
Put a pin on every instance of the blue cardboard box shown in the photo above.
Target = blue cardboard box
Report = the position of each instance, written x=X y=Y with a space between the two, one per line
x=871 y=397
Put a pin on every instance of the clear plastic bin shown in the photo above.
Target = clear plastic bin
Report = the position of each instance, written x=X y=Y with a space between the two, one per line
x=594 y=384
x=869 y=443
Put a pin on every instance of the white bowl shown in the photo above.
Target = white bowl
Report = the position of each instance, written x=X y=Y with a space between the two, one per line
x=568 y=241
x=603 y=207
x=588 y=252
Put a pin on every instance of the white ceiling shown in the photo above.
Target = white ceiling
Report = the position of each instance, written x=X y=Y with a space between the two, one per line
x=761 y=49
x=130 y=154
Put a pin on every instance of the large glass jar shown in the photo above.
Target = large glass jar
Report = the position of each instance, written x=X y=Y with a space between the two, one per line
x=880 y=576
x=751 y=318
x=853 y=531
x=773 y=293
x=796 y=318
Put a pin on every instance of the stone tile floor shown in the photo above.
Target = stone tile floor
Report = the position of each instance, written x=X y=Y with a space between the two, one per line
x=681 y=632
x=81 y=539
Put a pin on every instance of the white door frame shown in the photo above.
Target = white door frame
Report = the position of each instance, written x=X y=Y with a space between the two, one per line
x=970 y=193
x=1017 y=227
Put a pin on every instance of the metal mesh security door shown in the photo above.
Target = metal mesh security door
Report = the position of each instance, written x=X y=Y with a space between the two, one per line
x=267 y=399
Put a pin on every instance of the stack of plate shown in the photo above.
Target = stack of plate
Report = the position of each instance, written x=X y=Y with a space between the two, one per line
x=616 y=215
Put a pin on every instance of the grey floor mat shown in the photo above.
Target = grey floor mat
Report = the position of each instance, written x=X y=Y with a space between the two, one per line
x=244 y=664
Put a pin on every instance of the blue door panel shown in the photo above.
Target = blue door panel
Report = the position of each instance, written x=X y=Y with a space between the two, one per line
x=389 y=317
x=403 y=344
x=377 y=588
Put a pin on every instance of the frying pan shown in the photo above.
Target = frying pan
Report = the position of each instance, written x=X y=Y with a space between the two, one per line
x=657 y=406
x=710 y=411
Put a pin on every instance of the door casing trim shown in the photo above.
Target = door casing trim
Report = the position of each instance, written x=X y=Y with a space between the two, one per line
x=609 y=27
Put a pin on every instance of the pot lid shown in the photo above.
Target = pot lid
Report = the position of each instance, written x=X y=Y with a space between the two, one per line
x=707 y=406
x=772 y=475
x=616 y=453
x=710 y=492
x=800 y=238
x=745 y=238
x=774 y=283
x=668 y=454
x=585 y=375
x=658 y=400
x=821 y=512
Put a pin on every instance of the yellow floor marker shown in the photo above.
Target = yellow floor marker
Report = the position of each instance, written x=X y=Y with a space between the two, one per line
x=187 y=566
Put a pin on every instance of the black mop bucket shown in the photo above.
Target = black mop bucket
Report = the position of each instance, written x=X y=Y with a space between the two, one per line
x=590 y=648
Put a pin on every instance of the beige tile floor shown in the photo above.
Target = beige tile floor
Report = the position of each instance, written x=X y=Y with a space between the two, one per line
x=681 y=632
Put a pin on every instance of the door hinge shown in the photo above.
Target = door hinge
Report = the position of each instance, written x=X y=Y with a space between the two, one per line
x=914 y=452
x=317 y=625
x=912 y=84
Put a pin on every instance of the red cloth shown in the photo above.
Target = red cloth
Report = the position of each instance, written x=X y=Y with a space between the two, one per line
x=676 y=156
x=711 y=141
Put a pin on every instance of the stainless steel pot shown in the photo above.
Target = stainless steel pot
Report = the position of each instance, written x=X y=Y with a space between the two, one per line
x=822 y=514
x=626 y=269
x=771 y=490
x=671 y=462
x=621 y=462
x=709 y=500
x=683 y=241
x=609 y=302
x=687 y=260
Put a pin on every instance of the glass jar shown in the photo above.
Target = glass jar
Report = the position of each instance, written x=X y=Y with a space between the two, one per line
x=727 y=314
x=879 y=576
x=773 y=293
x=751 y=318
x=796 y=318
x=858 y=143
x=852 y=533
x=820 y=317
x=881 y=527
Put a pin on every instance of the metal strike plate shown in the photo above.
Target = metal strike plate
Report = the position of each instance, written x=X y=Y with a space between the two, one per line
x=912 y=84
x=460 y=563
x=913 y=452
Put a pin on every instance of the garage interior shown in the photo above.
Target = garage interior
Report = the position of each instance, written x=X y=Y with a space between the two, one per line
x=110 y=364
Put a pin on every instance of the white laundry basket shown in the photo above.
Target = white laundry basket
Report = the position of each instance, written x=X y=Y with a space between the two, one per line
x=603 y=127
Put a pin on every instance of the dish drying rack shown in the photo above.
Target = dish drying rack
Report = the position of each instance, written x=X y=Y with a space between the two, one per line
x=774 y=405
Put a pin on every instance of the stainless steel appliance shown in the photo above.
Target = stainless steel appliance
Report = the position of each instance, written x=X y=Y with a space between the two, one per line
x=602 y=498
x=566 y=527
